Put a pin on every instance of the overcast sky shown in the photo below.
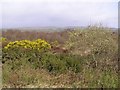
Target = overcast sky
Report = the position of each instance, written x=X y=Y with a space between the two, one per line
x=59 y=13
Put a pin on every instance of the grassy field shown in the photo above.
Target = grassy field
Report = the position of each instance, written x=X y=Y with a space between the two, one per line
x=84 y=58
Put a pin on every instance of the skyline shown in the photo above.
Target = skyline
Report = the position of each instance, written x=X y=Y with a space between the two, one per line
x=58 y=13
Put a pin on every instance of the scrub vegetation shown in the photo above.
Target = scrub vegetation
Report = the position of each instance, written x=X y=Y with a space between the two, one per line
x=82 y=57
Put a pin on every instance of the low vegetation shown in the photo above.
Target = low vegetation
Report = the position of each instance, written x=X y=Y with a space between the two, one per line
x=84 y=58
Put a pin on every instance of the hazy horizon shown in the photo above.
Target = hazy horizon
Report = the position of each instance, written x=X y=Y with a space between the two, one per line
x=59 y=13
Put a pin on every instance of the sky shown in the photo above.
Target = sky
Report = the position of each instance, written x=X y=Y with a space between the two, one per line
x=58 y=13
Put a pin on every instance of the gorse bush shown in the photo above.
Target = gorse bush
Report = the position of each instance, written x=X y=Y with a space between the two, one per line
x=55 y=63
x=17 y=49
x=32 y=53
x=2 y=39
x=38 y=44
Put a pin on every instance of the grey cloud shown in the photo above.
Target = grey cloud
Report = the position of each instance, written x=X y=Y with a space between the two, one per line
x=58 y=14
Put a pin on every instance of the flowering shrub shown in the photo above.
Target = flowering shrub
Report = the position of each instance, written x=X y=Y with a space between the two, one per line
x=2 y=39
x=27 y=44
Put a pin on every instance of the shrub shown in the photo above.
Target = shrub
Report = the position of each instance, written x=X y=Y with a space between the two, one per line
x=38 y=44
x=96 y=40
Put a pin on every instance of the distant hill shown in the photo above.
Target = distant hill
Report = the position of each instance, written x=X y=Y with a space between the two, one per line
x=50 y=28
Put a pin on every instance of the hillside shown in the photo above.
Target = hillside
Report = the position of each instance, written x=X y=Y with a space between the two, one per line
x=82 y=57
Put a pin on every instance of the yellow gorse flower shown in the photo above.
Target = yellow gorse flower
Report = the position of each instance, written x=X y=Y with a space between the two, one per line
x=2 y=39
x=38 y=44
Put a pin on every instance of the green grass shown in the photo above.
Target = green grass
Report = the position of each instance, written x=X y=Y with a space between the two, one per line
x=91 y=62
